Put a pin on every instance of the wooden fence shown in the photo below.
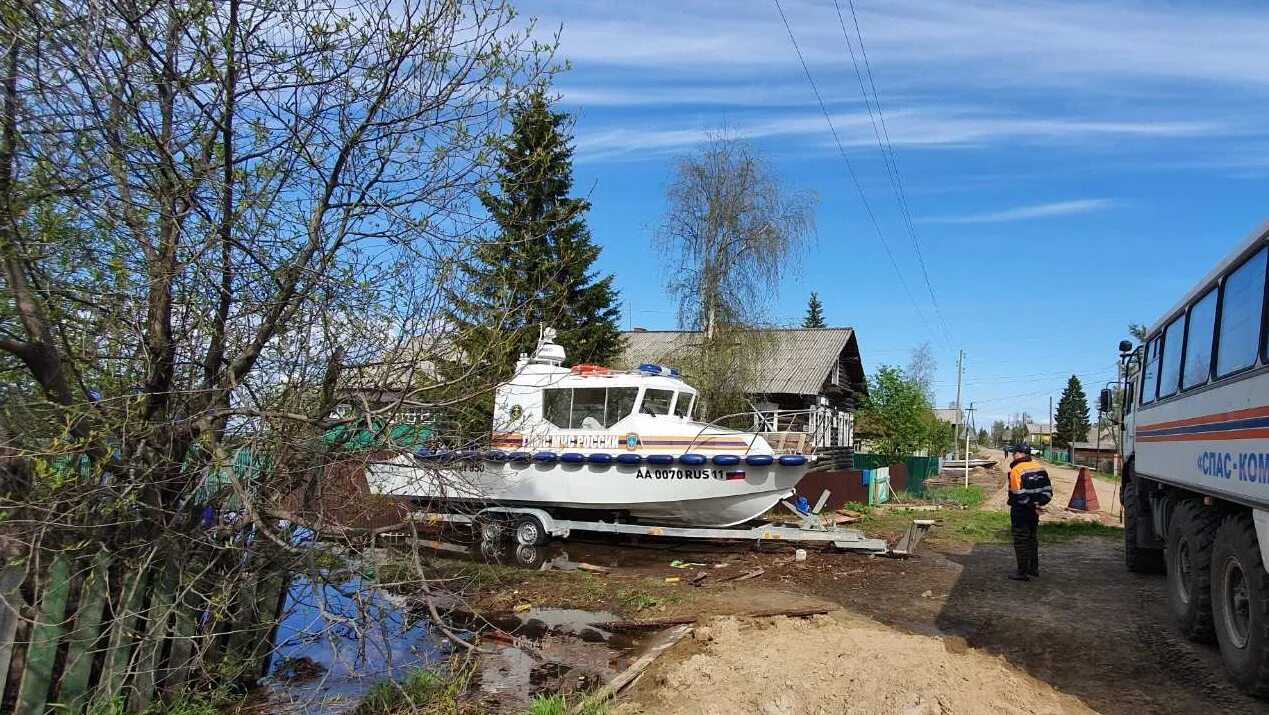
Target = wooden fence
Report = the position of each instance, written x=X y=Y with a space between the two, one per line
x=85 y=628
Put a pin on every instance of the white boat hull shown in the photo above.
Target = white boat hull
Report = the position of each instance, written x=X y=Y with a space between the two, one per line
x=671 y=494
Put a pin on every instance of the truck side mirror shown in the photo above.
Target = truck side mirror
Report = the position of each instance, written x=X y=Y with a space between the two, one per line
x=1105 y=400
x=1125 y=347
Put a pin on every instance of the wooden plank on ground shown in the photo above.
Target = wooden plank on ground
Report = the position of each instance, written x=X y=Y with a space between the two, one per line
x=648 y=624
x=11 y=603
x=46 y=632
x=629 y=675
x=74 y=689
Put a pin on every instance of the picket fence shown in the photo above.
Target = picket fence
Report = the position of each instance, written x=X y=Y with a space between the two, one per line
x=88 y=630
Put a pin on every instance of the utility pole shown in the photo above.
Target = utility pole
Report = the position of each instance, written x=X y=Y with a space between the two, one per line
x=968 y=421
x=1051 y=420
x=960 y=368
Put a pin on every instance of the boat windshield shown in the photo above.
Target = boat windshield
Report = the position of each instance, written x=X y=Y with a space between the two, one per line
x=656 y=402
x=590 y=408
x=683 y=407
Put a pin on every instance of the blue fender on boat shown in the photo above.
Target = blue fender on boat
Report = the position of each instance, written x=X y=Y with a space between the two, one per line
x=660 y=459
x=545 y=457
x=600 y=458
x=495 y=455
x=572 y=458
x=792 y=460
x=629 y=458
x=423 y=454
x=519 y=457
x=467 y=454
x=759 y=460
x=725 y=460
x=443 y=454
x=692 y=460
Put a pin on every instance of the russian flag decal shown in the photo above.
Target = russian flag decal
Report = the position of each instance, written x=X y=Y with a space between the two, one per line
x=738 y=474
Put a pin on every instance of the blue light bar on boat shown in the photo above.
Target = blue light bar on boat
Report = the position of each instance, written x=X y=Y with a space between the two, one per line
x=654 y=369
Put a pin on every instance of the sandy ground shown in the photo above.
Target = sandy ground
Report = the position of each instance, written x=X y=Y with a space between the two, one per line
x=1063 y=479
x=837 y=664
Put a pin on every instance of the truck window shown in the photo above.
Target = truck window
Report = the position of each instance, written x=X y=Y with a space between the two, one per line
x=1242 y=299
x=1150 y=373
x=556 y=404
x=1198 y=341
x=1170 y=367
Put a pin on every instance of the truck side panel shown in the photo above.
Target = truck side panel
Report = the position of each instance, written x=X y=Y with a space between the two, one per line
x=1214 y=441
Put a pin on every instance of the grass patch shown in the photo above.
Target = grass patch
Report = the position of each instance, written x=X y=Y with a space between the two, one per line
x=559 y=705
x=973 y=526
x=970 y=497
x=422 y=690
x=640 y=600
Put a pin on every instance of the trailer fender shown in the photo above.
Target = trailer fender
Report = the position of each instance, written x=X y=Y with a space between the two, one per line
x=1261 y=519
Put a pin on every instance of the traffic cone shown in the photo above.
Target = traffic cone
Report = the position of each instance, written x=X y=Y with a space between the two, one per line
x=1084 y=497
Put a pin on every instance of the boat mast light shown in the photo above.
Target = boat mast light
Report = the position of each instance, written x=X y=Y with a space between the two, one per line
x=654 y=369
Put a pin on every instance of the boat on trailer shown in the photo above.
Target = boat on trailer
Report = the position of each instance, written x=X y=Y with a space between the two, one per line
x=595 y=440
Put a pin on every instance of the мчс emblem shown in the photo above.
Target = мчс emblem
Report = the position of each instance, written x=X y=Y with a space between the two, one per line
x=517 y=412
x=632 y=441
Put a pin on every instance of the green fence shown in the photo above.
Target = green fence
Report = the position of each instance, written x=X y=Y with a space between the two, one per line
x=91 y=630
x=919 y=469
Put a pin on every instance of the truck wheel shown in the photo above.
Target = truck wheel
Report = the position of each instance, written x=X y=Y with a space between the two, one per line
x=1189 y=559
x=1139 y=559
x=1240 y=604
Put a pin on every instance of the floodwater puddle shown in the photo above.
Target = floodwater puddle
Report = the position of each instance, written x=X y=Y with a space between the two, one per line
x=336 y=640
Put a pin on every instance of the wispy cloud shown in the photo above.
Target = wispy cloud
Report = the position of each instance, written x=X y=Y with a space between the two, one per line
x=1024 y=213
x=929 y=127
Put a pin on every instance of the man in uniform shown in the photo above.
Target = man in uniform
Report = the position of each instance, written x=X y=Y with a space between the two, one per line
x=1029 y=491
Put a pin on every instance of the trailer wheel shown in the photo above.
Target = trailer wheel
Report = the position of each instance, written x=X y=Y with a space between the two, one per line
x=1190 y=535
x=528 y=556
x=488 y=530
x=1139 y=559
x=1240 y=604
x=531 y=532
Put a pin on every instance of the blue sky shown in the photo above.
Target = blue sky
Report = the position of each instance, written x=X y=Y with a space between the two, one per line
x=1068 y=167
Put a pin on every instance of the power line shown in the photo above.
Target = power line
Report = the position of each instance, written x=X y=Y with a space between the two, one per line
x=872 y=218
x=886 y=147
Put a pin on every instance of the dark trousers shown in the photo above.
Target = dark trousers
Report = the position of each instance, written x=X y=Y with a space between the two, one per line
x=1025 y=545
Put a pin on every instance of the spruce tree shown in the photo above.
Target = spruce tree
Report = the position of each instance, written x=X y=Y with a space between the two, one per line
x=1071 y=422
x=814 y=313
x=538 y=269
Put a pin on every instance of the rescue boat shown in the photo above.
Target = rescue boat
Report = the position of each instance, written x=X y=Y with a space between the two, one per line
x=608 y=442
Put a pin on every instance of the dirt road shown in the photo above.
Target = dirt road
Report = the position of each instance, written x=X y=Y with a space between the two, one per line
x=1063 y=478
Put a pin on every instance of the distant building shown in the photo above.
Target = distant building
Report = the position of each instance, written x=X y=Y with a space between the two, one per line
x=1039 y=434
x=807 y=380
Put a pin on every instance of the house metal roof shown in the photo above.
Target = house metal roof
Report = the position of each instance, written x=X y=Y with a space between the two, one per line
x=795 y=361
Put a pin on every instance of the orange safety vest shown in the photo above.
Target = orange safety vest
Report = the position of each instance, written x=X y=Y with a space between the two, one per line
x=1029 y=484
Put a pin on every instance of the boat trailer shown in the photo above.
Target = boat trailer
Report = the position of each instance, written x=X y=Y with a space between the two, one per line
x=530 y=526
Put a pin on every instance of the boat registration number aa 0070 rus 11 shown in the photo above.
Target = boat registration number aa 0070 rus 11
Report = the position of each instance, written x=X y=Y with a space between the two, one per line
x=720 y=474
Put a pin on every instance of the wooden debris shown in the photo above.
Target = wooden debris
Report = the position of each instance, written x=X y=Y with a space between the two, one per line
x=631 y=674
x=592 y=568
x=648 y=624
x=699 y=579
x=743 y=577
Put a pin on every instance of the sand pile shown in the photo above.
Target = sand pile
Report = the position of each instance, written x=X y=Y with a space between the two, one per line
x=830 y=665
